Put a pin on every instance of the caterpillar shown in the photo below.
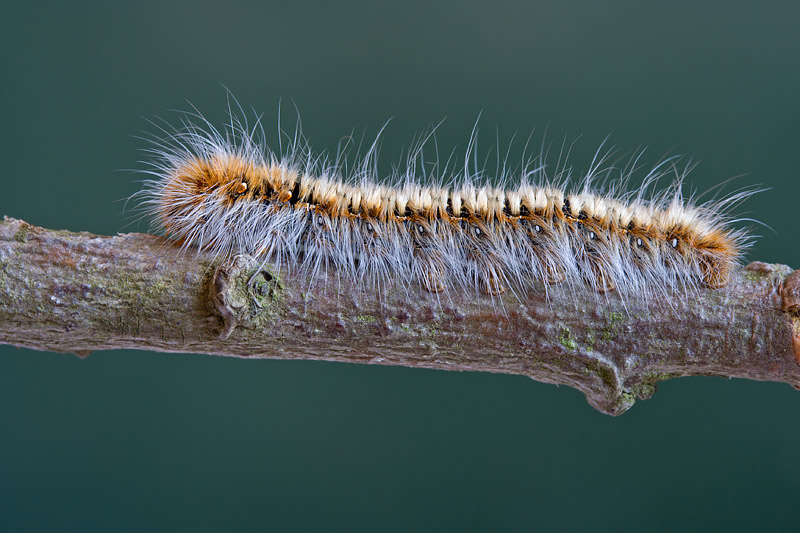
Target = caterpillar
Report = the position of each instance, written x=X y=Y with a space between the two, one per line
x=227 y=192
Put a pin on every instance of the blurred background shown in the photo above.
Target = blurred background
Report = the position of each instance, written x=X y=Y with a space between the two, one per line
x=127 y=441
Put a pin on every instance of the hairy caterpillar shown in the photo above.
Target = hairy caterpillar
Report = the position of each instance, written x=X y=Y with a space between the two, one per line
x=227 y=192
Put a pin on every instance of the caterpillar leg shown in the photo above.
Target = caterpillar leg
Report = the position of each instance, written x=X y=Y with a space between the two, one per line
x=492 y=284
x=603 y=285
x=432 y=282
x=552 y=275
x=716 y=272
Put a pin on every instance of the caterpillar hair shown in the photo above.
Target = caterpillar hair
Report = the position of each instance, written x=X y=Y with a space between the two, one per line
x=450 y=229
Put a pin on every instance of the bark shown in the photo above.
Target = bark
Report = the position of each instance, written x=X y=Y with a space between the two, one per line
x=77 y=292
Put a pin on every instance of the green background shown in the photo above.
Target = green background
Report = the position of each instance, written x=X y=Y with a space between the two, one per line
x=128 y=441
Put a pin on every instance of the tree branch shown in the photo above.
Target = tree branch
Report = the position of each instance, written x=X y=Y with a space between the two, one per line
x=78 y=292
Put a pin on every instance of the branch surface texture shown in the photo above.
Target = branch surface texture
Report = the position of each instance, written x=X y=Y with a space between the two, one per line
x=77 y=292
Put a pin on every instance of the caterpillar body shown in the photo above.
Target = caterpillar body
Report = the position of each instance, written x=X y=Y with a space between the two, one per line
x=225 y=191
